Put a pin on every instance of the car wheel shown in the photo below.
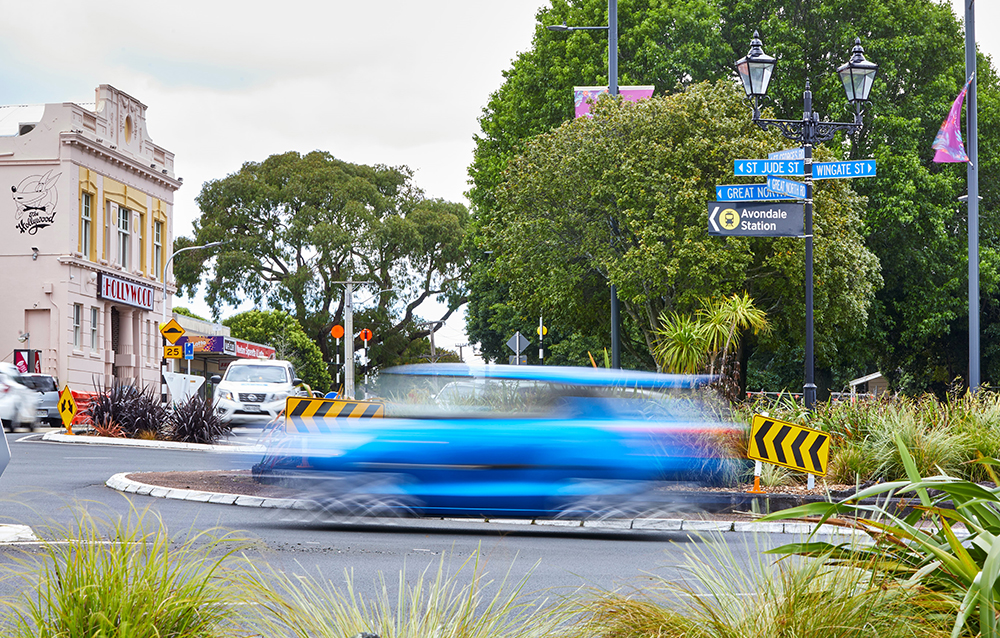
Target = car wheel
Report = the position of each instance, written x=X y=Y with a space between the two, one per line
x=8 y=425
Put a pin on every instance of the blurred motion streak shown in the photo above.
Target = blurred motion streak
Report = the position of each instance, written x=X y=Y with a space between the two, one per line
x=505 y=441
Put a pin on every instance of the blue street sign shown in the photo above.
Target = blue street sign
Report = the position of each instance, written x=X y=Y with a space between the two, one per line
x=789 y=187
x=837 y=170
x=746 y=193
x=189 y=350
x=788 y=153
x=768 y=167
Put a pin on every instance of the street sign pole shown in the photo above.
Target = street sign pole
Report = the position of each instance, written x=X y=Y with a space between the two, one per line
x=809 y=388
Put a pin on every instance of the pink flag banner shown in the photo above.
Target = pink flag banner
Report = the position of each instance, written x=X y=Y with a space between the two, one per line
x=584 y=96
x=948 y=142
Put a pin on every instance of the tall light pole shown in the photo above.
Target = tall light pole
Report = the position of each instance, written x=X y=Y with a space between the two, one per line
x=857 y=76
x=972 y=175
x=612 y=29
x=163 y=320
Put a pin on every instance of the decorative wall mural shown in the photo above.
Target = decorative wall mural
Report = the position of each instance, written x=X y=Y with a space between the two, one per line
x=35 y=198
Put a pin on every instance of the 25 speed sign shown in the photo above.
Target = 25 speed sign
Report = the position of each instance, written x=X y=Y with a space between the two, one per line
x=173 y=352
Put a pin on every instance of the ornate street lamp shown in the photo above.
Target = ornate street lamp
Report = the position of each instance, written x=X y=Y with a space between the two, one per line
x=857 y=76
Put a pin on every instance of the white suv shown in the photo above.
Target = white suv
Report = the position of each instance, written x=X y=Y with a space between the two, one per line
x=253 y=391
x=18 y=403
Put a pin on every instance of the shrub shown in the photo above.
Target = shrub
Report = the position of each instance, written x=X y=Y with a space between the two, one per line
x=430 y=606
x=136 y=412
x=720 y=595
x=124 y=577
x=195 y=421
x=918 y=546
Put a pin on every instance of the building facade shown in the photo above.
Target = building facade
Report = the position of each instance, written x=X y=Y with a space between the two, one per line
x=84 y=239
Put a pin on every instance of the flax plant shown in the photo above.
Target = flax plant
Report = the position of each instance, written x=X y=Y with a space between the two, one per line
x=124 y=578
x=437 y=605
x=948 y=542
x=722 y=596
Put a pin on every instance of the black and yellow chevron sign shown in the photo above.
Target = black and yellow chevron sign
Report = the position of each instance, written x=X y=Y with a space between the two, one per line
x=305 y=415
x=789 y=445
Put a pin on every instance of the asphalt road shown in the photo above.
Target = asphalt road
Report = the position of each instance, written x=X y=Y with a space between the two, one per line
x=45 y=481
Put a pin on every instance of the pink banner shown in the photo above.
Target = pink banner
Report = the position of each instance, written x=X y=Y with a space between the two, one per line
x=948 y=142
x=584 y=96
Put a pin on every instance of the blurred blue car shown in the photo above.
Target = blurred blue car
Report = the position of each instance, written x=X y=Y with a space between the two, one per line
x=505 y=441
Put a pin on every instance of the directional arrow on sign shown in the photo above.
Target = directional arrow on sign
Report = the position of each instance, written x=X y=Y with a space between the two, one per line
x=789 y=445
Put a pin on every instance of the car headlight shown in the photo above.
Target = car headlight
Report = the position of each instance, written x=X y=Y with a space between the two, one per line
x=227 y=395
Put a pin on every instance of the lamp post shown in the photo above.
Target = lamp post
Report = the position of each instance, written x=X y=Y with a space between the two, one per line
x=163 y=320
x=857 y=76
x=612 y=29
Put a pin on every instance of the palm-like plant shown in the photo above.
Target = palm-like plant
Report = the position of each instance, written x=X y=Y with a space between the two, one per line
x=682 y=345
x=709 y=338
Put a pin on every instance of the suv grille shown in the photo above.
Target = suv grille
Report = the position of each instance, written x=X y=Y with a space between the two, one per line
x=251 y=397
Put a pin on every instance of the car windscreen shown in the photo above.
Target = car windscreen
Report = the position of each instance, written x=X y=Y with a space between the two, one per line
x=41 y=384
x=257 y=374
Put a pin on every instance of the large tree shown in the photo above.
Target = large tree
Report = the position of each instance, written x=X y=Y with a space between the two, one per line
x=297 y=226
x=913 y=221
x=622 y=198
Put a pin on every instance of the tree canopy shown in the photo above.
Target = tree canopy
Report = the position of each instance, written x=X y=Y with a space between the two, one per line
x=915 y=332
x=622 y=197
x=297 y=226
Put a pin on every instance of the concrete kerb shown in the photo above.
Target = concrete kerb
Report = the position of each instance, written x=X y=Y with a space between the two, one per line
x=122 y=483
x=58 y=437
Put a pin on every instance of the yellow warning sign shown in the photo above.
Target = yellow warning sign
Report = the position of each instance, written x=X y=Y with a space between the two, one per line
x=173 y=352
x=305 y=415
x=67 y=408
x=789 y=445
x=172 y=331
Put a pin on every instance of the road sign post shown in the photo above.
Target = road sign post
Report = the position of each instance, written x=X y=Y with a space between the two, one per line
x=67 y=408
x=517 y=343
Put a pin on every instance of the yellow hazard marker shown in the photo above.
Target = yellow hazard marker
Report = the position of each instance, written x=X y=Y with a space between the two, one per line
x=67 y=408
x=307 y=415
x=788 y=445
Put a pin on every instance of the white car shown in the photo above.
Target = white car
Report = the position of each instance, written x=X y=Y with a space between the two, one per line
x=254 y=391
x=18 y=403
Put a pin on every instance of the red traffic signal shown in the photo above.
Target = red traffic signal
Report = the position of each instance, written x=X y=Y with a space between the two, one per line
x=366 y=335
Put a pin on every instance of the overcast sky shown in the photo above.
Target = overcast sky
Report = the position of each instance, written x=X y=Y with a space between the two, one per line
x=374 y=81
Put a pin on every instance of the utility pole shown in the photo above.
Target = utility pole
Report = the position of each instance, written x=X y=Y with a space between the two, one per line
x=434 y=325
x=349 y=333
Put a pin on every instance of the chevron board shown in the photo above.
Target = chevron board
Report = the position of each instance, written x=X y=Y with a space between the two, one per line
x=789 y=445
x=305 y=415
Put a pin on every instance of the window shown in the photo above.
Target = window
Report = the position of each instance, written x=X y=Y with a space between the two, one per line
x=123 y=237
x=86 y=225
x=77 y=320
x=157 y=249
x=95 y=319
x=141 y=231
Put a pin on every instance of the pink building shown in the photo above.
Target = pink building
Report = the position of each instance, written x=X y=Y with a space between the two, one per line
x=84 y=237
